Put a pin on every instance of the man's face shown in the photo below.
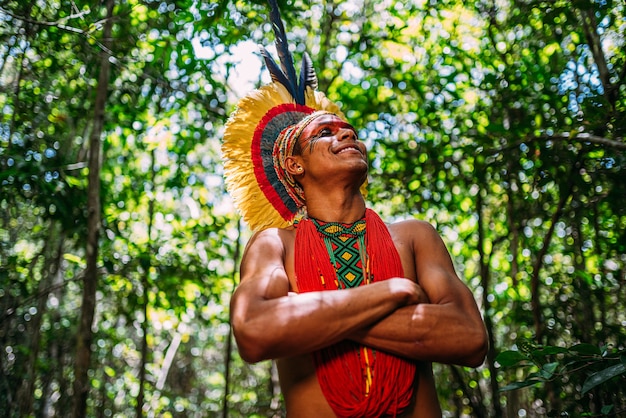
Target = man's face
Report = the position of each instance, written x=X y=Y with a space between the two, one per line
x=332 y=131
x=329 y=142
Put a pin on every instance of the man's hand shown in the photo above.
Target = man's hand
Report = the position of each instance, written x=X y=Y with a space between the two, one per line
x=407 y=290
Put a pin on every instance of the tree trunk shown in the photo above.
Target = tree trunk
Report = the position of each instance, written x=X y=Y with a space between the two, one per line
x=537 y=266
x=611 y=91
x=84 y=336
x=229 y=337
x=165 y=369
x=51 y=266
x=28 y=32
x=145 y=283
x=144 y=351
x=513 y=225
x=56 y=353
x=275 y=390
x=478 y=409
x=484 y=281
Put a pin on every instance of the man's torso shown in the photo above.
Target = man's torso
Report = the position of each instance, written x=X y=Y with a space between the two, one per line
x=299 y=385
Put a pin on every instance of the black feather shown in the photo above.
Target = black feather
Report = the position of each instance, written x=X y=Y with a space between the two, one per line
x=308 y=78
x=286 y=73
x=282 y=47
x=275 y=72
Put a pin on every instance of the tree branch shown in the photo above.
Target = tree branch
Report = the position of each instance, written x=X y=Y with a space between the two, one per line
x=538 y=264
x=595 y=45
x=59 y=23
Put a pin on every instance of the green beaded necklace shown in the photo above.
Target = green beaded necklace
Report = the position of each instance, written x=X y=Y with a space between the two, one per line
x=345 y=244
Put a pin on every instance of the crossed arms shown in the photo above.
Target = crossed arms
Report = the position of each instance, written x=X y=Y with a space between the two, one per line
x=435 y=320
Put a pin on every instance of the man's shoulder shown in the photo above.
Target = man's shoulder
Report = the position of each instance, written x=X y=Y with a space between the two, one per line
x=276 y=236
x=275 y=231
x=410 y=225
x=413 y=230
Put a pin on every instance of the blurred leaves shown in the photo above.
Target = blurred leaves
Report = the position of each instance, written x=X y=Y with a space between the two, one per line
x=583 y=366
x=482 y=118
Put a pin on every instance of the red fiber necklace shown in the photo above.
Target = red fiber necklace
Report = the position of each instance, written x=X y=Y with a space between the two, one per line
x=356 y=380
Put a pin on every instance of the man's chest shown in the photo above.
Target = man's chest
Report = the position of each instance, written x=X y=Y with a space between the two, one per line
x=351 y=263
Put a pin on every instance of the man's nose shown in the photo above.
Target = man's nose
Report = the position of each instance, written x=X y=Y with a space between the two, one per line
x=347 y=135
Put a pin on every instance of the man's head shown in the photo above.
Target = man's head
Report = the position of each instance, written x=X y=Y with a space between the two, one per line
x=338 y=143
x=259 y=136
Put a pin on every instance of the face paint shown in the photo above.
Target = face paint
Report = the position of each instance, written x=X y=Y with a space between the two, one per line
x=325 y=129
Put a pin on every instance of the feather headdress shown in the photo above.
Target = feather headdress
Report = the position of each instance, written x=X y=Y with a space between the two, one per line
x=255 y=133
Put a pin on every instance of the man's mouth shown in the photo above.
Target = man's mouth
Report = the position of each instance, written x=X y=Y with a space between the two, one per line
x=349 y=148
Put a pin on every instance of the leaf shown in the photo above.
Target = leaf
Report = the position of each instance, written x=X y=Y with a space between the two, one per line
x=73 y=258
x=606 y=409
x=585 y=348
x=588 y=278
x=109 y=371
x=602 y=376
x=548 y=369
x=519 y=385
x=510 y=358
x=537 y=376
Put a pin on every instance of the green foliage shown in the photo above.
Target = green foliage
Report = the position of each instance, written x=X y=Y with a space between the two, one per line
x=502 y=123
x=586 y=372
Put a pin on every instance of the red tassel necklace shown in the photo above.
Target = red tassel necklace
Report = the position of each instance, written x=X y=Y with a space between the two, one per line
x=357 y=381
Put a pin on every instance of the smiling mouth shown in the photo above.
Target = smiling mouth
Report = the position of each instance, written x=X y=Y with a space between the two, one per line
x=348 y=149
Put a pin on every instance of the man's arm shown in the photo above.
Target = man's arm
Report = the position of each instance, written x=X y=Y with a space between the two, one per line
x=270 y=323
x=448 y=329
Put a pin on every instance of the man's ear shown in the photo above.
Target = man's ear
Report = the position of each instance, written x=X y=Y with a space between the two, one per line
x=293 y=165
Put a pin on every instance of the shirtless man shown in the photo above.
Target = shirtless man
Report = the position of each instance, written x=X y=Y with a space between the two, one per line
x=427 y=316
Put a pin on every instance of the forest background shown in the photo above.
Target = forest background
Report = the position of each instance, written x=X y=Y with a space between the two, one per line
x=501 y=122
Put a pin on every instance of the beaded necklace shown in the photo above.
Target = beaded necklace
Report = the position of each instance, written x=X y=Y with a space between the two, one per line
x=355 y=380
x=345 y=244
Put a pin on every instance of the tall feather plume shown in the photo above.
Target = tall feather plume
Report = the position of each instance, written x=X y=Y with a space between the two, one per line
x=307 y=74
x=286 y=73
x=275 y=72
x=282 y=47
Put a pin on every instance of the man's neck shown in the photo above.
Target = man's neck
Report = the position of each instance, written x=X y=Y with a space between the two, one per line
x=336 y=207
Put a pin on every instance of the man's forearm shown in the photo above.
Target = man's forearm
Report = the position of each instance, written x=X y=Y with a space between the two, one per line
x=428 y=332
x=299 y=324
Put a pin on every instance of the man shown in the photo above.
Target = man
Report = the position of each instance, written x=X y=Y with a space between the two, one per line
x=426 y=315
x=353 y=311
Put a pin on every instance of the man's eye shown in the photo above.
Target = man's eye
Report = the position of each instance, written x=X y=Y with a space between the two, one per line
x=324 y=132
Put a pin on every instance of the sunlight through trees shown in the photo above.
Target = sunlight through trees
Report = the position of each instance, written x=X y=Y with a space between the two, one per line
x=500 y=122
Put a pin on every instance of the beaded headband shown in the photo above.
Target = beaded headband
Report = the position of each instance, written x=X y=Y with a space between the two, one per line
x=283 y=148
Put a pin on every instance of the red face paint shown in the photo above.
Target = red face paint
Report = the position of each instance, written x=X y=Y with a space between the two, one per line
x=326 y=126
